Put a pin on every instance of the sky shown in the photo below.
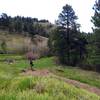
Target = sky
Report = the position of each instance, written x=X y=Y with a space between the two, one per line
x=49 y=9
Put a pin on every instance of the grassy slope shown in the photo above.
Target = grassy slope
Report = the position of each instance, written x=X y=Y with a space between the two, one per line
x=17 y=87
x=42 y=88
x=91 y=78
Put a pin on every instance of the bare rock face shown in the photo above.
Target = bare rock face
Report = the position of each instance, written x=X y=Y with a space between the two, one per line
x=40 y=45
x=10 y=61
x=22 y=44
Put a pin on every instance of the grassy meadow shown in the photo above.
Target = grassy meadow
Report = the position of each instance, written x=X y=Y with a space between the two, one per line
x=15 y=86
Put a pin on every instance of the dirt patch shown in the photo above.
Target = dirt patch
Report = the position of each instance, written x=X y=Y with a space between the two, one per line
x=43 y=72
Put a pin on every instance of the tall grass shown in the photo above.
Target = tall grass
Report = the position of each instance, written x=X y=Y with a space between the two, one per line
x=43 y=88
x=14 y=86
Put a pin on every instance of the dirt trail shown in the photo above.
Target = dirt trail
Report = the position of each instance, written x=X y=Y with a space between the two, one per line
x=46 y=72
x=43 y=72
x=80 y=85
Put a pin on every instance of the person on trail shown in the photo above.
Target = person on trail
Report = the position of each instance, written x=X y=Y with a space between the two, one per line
x=31 y=64
x=30 y=57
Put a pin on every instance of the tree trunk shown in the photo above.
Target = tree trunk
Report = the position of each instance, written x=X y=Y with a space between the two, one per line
x=68 y=49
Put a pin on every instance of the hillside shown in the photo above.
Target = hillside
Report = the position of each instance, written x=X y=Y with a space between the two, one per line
x=18 y=43
x=45 y=57
x=44 y=83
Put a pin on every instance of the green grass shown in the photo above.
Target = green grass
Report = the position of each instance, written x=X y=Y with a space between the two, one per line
x=44 y=63
x=10 y=56
x=43 y=88
x=14 y=86
x=89 y=77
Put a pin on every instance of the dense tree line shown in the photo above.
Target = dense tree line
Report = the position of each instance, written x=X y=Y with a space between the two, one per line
x=25 y=24
x=96 y=36
x=93 y=48
x=73 y=47
x=67 y=42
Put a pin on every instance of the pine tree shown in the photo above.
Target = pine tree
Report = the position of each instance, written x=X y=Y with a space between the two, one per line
x=96 y=22
x=67 y=19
